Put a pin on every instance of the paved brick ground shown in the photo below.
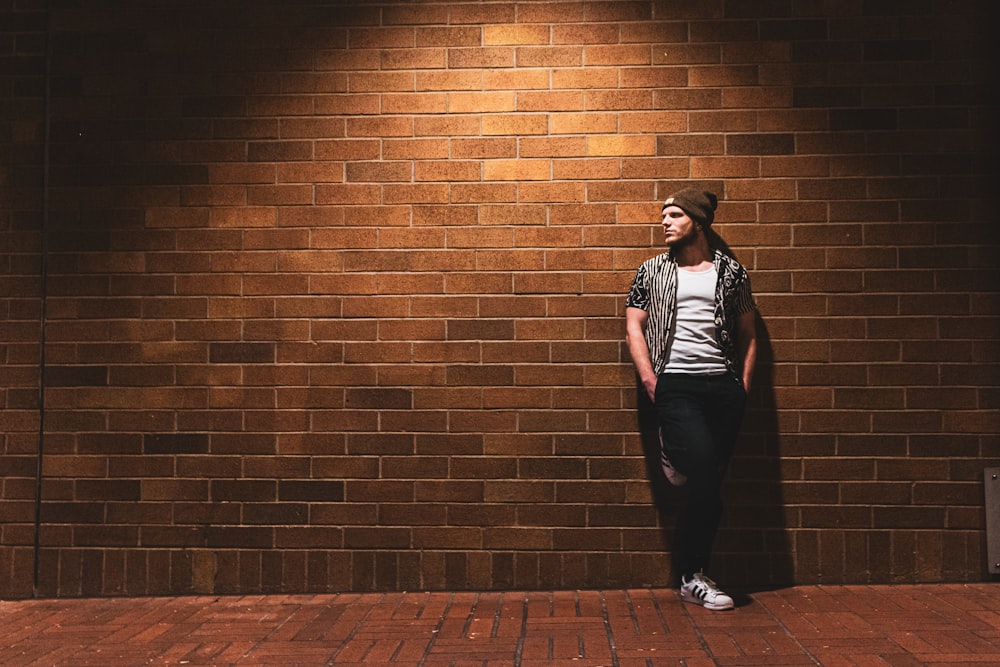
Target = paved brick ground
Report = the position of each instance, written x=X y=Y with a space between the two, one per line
x=805 y=625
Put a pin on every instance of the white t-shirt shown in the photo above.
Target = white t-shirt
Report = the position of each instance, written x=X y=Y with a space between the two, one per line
x=694 y=348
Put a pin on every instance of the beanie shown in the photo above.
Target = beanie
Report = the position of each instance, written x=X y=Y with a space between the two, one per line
x=698 y=204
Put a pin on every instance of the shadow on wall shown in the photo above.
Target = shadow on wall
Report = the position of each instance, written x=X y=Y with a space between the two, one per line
x=753 y=548
x=753 y=544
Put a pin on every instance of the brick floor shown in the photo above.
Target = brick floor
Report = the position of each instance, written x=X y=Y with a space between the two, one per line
x=946 y=624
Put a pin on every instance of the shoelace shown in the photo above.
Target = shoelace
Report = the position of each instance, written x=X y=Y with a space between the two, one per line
x=705 y=585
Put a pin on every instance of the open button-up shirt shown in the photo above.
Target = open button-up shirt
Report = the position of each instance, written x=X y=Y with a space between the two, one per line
x=654 y=290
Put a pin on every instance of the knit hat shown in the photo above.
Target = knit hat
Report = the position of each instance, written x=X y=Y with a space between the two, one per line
x=698 y=204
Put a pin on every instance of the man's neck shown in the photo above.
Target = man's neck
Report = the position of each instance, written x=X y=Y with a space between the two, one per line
x=693 y=255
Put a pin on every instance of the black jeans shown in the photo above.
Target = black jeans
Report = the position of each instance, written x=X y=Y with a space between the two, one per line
x=699 y=417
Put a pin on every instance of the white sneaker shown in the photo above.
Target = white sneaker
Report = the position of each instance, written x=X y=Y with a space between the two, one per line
x=702 y=590
x=674 y=477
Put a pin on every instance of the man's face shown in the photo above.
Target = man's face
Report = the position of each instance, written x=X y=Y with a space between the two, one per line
x=678 y=228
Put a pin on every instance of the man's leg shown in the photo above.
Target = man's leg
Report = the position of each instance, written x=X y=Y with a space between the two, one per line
x=699 y=419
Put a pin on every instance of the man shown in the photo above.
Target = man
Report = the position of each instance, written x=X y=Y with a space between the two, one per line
x=691 y=333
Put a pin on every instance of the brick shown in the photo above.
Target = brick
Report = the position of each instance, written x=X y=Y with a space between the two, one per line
x=630 y=100
x=481 y=102
x=458 y=80
x=347 y=149
x=175 y=443
x=590 y=77
x=414 y=194
x=389 y=126
x=760 y=144
x=447 y=36
x=583 y=123
x=517 y=79
x=621 y=145
x=504 y=124
x=261 y=195
x=453 y=125
x=585 y=169
x=378 y=171
x=896 y=50
x=515 y=34
x=724 y=75
x=416 y=58
x=414 y=149
x=375 y=82
x=490 y=57
x=503 y=170
x=413 y=15
x=617 y=54
x=484 y=193
x=550 y=101
x=270 y=151
x=723 y=167
x=549 y=56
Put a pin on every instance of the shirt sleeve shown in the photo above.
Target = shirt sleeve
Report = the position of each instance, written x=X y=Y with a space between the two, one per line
x=744 y=300
x=638 y=294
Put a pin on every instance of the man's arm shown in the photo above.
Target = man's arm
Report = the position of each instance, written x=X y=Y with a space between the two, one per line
x=747 y=341
x=635 y=327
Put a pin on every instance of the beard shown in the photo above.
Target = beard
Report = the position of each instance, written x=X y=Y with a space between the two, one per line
x=680 y=242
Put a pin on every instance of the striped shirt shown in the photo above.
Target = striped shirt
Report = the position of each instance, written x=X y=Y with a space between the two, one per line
x=654 y=290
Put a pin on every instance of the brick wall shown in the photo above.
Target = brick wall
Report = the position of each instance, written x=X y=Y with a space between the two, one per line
x=333 y=295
